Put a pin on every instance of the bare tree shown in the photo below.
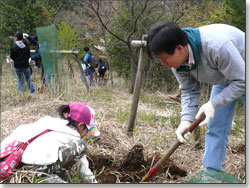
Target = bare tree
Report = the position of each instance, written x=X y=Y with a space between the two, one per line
x=105 y=12
x=141 y=13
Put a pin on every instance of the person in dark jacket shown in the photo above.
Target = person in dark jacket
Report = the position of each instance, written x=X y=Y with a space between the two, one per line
x=20 y=54
x=37 y=57
x=101 y=68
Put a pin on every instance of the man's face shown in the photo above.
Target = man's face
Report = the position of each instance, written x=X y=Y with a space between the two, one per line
x=173 y=60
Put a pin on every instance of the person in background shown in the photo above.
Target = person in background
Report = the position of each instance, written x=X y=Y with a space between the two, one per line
x=101 y=68
x=89 y=68
x=213 y=54
x=55 y=152
x=20 y=54
x=37 y=56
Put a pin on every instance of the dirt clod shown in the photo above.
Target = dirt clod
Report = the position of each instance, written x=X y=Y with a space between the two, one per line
x=134 y=160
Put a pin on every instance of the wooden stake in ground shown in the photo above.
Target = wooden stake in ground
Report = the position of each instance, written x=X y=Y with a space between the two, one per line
x=139 y=75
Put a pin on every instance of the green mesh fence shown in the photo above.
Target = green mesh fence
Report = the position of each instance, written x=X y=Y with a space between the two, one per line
x=51 y=57
x=211 y=177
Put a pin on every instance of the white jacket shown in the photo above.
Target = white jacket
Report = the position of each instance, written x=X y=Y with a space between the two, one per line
x=44 y=149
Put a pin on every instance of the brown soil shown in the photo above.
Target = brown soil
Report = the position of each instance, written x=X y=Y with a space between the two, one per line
x=241 y=148
x=132 y=168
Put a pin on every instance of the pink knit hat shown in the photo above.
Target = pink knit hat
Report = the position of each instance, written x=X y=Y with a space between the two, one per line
x=84 y=114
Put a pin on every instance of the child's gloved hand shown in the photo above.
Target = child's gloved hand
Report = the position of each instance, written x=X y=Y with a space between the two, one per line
x=86 y=174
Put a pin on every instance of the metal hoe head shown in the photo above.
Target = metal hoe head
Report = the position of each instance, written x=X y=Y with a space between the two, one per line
x=138 y=43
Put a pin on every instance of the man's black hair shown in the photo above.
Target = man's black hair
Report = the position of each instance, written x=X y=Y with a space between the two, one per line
x=100 y=60
x=19 y=35
x=86 y=48
x=164 y=37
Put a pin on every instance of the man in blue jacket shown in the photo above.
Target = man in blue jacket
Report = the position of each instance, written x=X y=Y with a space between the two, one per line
x=88 y=62
x=214 y=54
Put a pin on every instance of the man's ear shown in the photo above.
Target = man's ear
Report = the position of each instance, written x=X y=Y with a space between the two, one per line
x=179 y=47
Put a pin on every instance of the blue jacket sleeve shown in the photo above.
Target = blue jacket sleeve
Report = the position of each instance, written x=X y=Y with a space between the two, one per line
x=85 y=59
x=32 y=40
x=36 y=56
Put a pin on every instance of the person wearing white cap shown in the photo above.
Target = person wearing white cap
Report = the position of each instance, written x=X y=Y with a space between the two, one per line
x=55 y=152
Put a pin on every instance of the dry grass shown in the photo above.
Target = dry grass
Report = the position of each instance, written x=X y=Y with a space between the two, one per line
x=25 y=176
x=153 y=128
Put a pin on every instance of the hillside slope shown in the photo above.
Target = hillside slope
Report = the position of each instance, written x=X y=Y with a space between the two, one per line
x=114 y=156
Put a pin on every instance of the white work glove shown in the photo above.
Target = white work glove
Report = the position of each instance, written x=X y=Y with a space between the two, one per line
x=181 y=129
x=25 y=35
x=208 y=110
x=31 y=62
x=9 y=60
x=85 y=173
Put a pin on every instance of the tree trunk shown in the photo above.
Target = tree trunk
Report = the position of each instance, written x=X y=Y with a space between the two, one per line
x=108 y=59
x=110 y=71
x=71 y=71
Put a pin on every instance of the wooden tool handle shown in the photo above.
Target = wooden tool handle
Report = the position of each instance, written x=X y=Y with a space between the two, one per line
x=195 y=124
x=172 y=149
